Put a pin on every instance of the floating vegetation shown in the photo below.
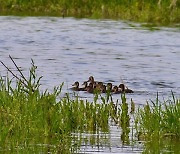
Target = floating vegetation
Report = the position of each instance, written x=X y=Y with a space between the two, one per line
x=34 y=121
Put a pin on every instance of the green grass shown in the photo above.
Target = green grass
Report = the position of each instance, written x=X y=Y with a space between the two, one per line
x=160 y=120
x=35 y=121
x=142 y=11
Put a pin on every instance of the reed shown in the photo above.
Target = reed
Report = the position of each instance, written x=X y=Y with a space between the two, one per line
x=35 y=121
x=45 y=122
x=160 y=120
x=152 y=11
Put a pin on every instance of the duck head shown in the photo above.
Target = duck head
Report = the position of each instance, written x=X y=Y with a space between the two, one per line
x=115 y=89
x=109 y=86
x=76 y=84
x=85 y=84
x=122 y=86
x=91 y=79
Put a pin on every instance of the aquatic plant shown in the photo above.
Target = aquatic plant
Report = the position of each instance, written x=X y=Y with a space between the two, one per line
x=160 y=120
x=34 y=121
x=44 y=121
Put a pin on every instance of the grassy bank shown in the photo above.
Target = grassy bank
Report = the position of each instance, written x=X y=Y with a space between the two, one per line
x=162 y=12
x=34 y=121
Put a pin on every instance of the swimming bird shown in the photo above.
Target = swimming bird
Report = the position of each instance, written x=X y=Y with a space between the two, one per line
x=90 y=88
x=75 y=86
x=103 y=89
x=116 y=90
x=122 y=89
x=91 y=80
x=85 y=86
x=109 y=87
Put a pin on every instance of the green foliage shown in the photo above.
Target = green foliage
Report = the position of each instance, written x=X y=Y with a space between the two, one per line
x=160 y=120
x=32 y=121
x=136 y=10
x=29 y=118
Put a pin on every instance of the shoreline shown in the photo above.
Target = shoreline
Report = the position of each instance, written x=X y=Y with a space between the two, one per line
x=135 y=12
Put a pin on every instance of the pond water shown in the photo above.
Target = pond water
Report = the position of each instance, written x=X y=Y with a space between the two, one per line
x=66 y=50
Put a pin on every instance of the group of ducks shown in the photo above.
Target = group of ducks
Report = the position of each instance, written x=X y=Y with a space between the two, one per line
x=92 y=86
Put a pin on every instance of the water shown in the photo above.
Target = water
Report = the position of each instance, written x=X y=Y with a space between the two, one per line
x=67 y=50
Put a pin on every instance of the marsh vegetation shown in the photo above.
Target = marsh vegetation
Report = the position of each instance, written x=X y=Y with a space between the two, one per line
x=32 y=120
x=164 y=12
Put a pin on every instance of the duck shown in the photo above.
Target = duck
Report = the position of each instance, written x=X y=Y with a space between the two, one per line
x=122 y=89
x=85 y=86
x=103 y=89
x=98 y=86
x=116 y=90
x=90 y=88
x=109 y=87
x=75 y=86
x=91 y=80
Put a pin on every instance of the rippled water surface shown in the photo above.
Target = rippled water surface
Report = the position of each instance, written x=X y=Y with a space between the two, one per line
x=65 y=50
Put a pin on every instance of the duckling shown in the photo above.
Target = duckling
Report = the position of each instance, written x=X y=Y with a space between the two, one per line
x=99 y=86
x=116 y=90
x=90 y=88
x=85 y=86
x=103 y=89
x=109 y=87
x=122 y=87
x=75 y=86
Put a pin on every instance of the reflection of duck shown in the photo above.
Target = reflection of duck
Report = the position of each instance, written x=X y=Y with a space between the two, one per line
x=122 y=89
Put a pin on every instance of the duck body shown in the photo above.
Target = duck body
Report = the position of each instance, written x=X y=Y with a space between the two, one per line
x=90 y=88
x=75 y=86
x=122 y=89
x=85 y=86
x=115 y=90
x=109 y=87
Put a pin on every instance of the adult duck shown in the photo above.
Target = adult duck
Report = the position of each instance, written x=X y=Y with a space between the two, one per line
x=91 y=80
